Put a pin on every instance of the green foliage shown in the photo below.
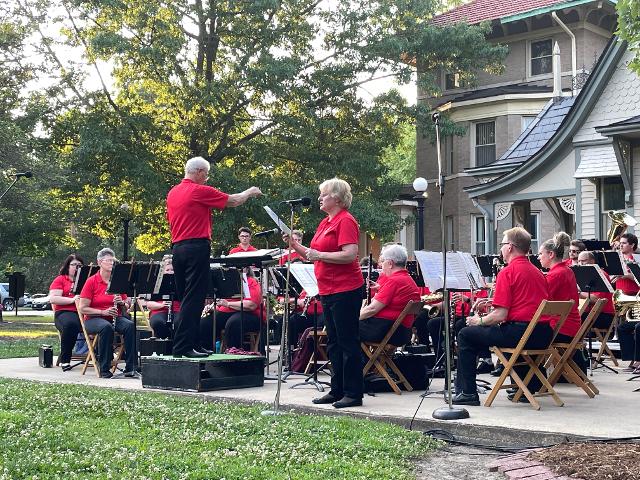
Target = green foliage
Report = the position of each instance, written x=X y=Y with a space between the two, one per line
x=629 y=28
x=87 y=432
x=401 y=159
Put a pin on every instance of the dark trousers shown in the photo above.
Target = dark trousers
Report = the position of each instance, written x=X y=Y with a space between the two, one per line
x=105 y=330
x=579 y=355
x=341 y=318
x=191 y=275
x=420 y=324
x=298 y=323
x=626 y=337
x=374 y=330
x=476 y=339
x=68 y=324
x=159 y=324
x=436 y=331
x=235 y=326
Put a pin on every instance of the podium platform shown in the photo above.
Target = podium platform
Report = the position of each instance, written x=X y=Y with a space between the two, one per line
x=215 y=372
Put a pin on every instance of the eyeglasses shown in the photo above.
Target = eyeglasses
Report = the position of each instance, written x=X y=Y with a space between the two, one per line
x=505 y=243
x=75 y=264
x=574 y=251
x=245 y=236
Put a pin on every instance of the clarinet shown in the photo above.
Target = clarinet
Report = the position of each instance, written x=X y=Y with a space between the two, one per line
x=368 y=286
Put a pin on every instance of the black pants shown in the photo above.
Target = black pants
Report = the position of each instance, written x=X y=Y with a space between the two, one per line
x=476 y=339
x=374 y=330
x=341 y=317
x=436 y=330
x=235 y=326
x=68 y=324
x=191 y=275
x=579 y=355
x=159 y=324
x=420 y=324
x=298 y=323
x=106 y=329
x=626 y=332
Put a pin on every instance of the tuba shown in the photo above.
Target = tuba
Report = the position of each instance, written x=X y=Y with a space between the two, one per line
x=627 y=307
x=619 y=223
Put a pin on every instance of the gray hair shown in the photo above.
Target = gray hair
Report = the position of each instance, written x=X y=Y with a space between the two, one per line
x=105 y=252
x=194 y=164
x=396 y=253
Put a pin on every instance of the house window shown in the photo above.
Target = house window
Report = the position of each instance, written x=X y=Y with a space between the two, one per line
x=541 y=57
x=449 y=243
x=478 y=235
x=453 y=80
x=526 y=121
x=485 y=144
x=612 y=194
x=448 y=153
x=534 y=230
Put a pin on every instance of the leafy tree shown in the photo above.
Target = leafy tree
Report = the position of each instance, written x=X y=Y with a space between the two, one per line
x=629 y=28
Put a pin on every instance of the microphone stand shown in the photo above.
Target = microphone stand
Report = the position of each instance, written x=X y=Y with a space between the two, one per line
x=450 y=412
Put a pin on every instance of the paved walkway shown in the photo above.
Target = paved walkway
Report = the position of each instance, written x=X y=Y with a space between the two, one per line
x=608 y=415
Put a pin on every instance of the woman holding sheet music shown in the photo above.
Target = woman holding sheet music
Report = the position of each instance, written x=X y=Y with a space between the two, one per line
x=63 y=301
x=334 y=251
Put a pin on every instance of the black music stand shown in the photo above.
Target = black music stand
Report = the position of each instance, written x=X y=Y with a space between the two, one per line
x=225 y=283
x=596 y=245
x=609 y=261
x=589 y=280
x=165 y=289
x=82 y=274
x=485 y=263
x=413 y=267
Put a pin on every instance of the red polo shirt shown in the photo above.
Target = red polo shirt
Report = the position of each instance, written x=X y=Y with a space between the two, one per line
x=562 y=286
x=289 y=256
x=175 y=307
x=95 y=289
x=255 y=295
x=628 y=286
x=189 y=207
x=608 y=307
x=331 y=236
x=568 y=262
x=239 y=248
x=64 y=283
x=520 y=288
x=396 y=291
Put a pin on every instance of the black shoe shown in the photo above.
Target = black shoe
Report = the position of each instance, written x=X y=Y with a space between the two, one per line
x=466 y=399
x=106 y=374
x=204 y=350
x=345 y=402
x=325 y=399
x=190 y=354
x=497 y=371
x=522 y=398
x=484 y=366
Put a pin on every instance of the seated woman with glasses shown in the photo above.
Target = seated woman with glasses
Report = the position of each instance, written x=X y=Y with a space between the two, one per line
x=159 y=310
x=104 y=314
x=65 y=315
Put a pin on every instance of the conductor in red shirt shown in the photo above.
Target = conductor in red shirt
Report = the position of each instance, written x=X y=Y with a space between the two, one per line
x=189 y=206
x=244 y=235
x=334 y=252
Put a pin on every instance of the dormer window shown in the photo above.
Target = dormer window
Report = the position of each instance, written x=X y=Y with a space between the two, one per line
x=541 y=57
x=451 y=81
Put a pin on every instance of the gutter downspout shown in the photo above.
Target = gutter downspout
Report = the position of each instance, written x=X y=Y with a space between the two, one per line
x=574 y=68
x=487 y=219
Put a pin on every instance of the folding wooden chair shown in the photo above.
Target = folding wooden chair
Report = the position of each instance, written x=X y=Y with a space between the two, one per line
x=562 y=356
x=603 y=335
x=323 y=361
x=520 y=355
x=251 y=340
x=381 y=354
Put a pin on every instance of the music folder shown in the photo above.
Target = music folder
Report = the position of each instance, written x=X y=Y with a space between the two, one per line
x=591 y=278
x=82 y=274
x=224 y=283
x=634 y=268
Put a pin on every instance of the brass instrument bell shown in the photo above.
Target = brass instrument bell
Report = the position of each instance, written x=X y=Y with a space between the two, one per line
x=619 y=223
x=627 y=307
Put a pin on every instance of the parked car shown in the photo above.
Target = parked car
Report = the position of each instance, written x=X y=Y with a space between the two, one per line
x=40 y=301
x=8 y=303
x=27 y=300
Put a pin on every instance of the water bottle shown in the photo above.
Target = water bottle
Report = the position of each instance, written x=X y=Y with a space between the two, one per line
x=218 y=345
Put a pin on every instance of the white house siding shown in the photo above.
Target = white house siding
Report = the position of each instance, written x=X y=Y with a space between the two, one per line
x=618 y=101
x=635 y=155
x=588 y=195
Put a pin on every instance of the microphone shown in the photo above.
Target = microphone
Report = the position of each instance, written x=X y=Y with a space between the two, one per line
x=304 y=201
x=23 y=174
x=266 y=233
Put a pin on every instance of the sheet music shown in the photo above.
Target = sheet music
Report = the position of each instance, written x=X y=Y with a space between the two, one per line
x=473 y=269
x=603 y=277
x=305 y=275
x=636 y=257
x=256 y=253
x=432 y=272
x=245 y=286
x=279 y=223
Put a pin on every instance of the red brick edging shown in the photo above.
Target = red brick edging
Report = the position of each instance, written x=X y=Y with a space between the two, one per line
x=519 y=466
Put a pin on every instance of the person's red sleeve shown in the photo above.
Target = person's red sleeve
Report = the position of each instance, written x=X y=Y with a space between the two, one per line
x=386 y=293
x=349 y=232
x=211 y=197
x=57 y=283
x=87 y=289
x=502 y=297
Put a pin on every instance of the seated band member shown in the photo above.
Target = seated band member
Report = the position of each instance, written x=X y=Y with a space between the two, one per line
x=65 y=314
x=303 y=317
x=293 y=256
x=390 y=299
x=625 y=330
x=519 y=289
x=606 y=315
x=244 y=235
x=159 y=310
x=230 y=319
x=104 y=315
x=562 y=286
x=575 y=247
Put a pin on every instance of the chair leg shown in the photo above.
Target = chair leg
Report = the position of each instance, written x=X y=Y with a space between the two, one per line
x=389 y=361
x=383 y=371
x=503 y=376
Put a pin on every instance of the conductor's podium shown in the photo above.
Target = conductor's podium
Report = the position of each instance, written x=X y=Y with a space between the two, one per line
x=215 y=372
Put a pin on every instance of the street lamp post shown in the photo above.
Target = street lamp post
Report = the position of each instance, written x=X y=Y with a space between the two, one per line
x=420 y=186
x=126 y=218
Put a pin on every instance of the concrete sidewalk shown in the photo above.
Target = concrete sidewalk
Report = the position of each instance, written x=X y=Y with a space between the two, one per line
x=609 y=415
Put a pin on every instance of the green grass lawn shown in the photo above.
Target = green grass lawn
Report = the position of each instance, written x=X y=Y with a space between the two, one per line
x=71 y=431
x=22 y=336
